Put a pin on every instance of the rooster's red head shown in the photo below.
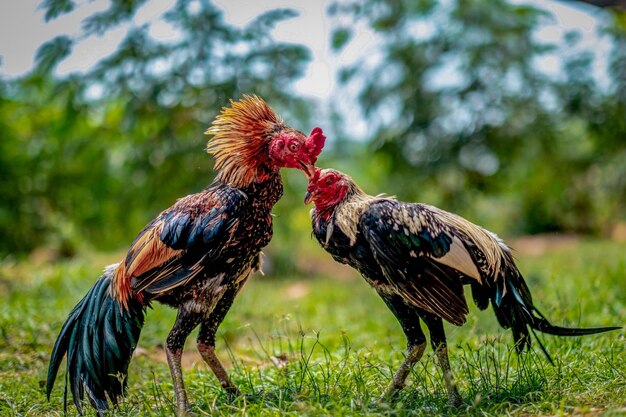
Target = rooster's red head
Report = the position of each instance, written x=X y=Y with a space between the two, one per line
x=328 y=187
x=251 y=142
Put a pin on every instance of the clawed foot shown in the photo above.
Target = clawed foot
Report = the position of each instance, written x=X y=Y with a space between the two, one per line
x=253 y=396
x=414 y=354
x=391 y=393
x=455 y=401
x=231 y=390
x=185 y=412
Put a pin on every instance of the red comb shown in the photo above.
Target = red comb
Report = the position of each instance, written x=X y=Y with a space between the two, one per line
x=315 y=143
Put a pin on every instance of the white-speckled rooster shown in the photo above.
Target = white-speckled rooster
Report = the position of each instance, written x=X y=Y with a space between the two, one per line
x=418 y=258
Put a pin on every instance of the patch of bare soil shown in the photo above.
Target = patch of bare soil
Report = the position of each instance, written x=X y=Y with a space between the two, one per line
x=192 y=359
x=618 y=232
x=297 y=290
x=535 y=245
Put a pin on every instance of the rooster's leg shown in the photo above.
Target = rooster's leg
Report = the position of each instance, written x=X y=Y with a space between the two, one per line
x=439 y=344
x=206 y=340
x=414 y=354
x=184 y=324
x=416 y=343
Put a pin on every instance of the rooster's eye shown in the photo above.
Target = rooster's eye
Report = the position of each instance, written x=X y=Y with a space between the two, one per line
x=293 y=146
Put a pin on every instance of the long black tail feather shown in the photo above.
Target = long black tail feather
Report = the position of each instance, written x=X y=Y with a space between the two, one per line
x=514 y=308
x=99 y=338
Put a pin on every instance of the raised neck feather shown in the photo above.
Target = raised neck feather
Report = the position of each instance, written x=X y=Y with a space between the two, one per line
x=240 y=142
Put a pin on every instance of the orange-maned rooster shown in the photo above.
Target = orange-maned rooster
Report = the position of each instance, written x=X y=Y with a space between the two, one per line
x=195 y=256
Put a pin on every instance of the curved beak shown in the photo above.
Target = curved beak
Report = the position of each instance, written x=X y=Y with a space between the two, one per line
x=308 y=169
x=308 y=197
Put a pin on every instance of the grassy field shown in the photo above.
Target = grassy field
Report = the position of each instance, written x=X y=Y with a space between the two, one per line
x=323 y=345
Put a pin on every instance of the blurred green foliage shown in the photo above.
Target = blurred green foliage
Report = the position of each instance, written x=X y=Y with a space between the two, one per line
x=457 y=103
x=90 y=158
x=459 y=115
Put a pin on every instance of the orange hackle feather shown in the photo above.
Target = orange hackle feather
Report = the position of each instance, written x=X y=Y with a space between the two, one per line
x=241 y=136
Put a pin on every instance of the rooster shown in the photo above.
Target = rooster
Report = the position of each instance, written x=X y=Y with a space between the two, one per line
x=195 y=256
x=418 y=258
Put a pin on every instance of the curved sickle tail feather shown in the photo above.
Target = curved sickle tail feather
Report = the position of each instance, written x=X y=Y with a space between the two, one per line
x=514 y=309
x=99 y=338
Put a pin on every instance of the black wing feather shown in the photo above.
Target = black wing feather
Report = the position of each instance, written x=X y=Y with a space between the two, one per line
x=198 y=235
x=406 y=260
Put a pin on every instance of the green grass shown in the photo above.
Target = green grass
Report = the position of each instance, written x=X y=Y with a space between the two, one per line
x=325 y=346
